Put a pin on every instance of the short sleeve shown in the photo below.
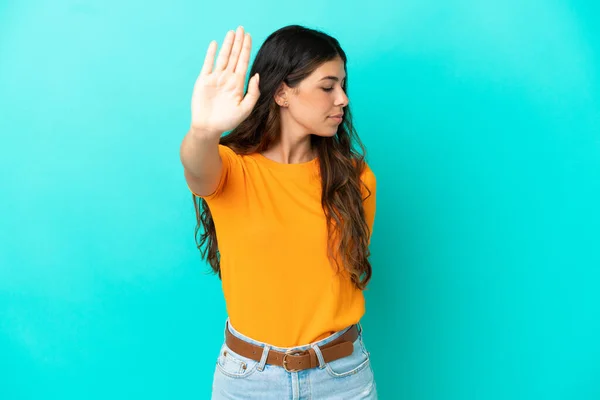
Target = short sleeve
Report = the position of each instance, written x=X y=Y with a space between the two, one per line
x=369 y=200
x=229 y=158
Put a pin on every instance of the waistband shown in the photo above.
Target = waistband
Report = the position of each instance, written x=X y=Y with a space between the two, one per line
x=338 y=345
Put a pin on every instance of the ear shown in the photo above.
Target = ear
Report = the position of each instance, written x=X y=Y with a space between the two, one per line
x=281 y=94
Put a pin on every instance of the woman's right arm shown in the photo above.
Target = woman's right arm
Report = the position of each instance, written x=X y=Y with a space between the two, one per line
x=218 y=105
x=202 y=165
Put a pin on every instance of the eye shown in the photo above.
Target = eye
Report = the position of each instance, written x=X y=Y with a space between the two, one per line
x=328 y=89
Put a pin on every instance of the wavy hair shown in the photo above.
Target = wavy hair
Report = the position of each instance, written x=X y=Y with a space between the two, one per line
x=289 y=55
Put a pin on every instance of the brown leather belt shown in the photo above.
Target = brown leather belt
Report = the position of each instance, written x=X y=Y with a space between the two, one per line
x=293 y=361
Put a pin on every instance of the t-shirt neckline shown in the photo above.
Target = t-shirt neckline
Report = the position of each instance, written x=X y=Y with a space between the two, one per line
x=285 y=167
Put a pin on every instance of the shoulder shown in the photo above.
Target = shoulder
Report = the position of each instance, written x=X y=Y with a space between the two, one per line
x=368 y=176
x=229 y=157
x=227 y=151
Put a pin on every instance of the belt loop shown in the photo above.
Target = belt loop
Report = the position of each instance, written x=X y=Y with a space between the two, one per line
x=317 y=350
x=359 y=327
x=263 y=359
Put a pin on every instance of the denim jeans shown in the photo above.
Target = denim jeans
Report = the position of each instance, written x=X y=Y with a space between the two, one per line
x=347 y=378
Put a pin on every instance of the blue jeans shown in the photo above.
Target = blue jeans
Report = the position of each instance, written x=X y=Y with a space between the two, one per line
x=347 y=378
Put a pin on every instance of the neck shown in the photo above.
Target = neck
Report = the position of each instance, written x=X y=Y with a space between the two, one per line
x=291 y=150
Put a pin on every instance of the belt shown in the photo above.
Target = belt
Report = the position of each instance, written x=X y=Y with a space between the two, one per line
x=296 y=360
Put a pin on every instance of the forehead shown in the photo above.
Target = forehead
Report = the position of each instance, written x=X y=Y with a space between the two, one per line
x=333 y=67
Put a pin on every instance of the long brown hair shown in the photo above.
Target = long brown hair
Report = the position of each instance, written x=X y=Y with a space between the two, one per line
x=289 y=55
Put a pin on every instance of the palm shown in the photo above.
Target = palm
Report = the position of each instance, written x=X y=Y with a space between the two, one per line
x=218 y=102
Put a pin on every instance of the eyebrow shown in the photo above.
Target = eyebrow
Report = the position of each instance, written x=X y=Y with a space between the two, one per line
x=333 y=78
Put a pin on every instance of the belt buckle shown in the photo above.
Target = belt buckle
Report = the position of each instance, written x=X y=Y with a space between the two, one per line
x=284 y=361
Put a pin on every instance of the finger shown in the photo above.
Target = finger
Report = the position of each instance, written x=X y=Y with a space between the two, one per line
x=242 y=64
x=224 y=53
x=237 y=46
x=209 y=59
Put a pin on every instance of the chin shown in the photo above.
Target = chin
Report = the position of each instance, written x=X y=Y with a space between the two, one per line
x=329 y=133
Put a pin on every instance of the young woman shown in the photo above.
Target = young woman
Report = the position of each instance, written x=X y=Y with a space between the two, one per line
x=287 y=207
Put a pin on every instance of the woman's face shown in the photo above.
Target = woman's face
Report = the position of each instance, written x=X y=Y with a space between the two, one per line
x=314 y=102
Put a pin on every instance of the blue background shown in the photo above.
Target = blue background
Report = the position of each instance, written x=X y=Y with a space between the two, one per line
x=483 y=128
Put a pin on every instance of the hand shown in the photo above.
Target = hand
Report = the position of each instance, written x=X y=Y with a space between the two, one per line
x=218 y=102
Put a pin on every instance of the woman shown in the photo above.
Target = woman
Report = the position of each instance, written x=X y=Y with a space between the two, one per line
x=287 y=209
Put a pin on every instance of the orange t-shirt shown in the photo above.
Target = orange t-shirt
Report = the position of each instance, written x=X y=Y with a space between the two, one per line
x=279 y=285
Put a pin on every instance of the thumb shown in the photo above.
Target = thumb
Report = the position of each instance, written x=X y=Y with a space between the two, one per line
x=253 y=93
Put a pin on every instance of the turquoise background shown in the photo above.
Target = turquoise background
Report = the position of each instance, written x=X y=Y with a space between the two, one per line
x=482 y=123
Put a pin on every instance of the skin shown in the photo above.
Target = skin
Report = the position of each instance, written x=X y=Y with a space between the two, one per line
x=308 y=110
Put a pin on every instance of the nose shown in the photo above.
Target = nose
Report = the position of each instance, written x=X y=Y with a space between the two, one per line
x=342 y=100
